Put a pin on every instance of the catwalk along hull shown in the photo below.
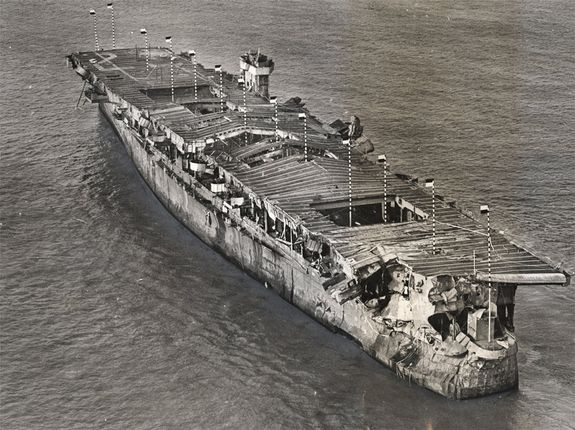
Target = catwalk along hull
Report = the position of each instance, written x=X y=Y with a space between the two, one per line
x=288 y=273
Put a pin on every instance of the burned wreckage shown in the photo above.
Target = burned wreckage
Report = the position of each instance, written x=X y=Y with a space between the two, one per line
x=300 y=205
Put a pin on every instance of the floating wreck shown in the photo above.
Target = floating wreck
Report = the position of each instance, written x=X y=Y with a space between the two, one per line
x=298 y=205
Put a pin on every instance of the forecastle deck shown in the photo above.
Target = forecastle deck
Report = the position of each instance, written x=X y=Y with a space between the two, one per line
x=280 y=178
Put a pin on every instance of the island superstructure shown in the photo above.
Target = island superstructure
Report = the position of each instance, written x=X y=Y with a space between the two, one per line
x=298 y=204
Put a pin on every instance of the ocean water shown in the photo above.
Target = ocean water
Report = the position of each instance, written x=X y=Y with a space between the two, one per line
x=112 y=315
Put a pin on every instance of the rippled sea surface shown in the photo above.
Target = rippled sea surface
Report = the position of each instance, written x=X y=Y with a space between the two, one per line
x=112 y=315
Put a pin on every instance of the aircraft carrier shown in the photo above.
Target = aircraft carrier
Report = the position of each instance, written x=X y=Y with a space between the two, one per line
x=309 y=209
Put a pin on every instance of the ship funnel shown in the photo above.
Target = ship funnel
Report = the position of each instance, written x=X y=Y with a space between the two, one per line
x=256 y=69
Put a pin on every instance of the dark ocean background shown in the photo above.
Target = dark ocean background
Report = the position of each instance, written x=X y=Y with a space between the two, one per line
x=113 y=315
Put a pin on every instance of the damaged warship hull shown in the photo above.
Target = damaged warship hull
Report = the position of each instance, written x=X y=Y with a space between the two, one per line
x=285 y=272
x=231 y=166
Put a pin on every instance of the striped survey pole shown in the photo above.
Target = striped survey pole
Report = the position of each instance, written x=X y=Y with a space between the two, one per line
x=274 y=101
x=303 y=116
x=192 y=54
x=348 y=143
x=243 y=84
x=383 y=159
x=93 y=13
x=277 y=119
x=431 y=183
x=145 y=33
x=169 y=40
x=484 y=209
x=385 y=190
x=219 y=70
x=111 y=7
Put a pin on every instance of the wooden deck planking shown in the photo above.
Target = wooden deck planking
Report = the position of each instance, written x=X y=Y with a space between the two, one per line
x=296 y=186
